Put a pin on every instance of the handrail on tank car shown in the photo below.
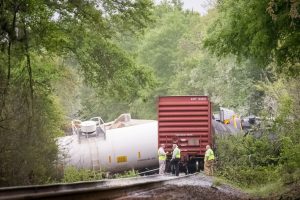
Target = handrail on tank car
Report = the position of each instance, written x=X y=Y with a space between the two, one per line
x=100 y=124
x=75 y=126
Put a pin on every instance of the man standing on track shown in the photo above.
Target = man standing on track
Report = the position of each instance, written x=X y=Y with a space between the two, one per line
x=175 y=160
x=162 y=156
x=209 y=161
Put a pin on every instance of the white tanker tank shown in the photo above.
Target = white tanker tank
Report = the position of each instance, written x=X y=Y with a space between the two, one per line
x=122 y=145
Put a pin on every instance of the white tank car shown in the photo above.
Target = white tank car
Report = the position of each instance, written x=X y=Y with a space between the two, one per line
x=125 y=144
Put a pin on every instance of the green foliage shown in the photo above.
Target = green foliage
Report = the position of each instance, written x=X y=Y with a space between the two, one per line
x=267 y=34
x=48 y=49
x=265 y=30
x=290 y=159
x=267 y=190
x=248 y=161
x=29 y=125
x=36 y=37
x=94 y=104
x=113 y=72
x=216 y=182
x=71 y=174
x=157 y=52
x=127 y=174
x=290 y=150
x=159 y=48
x=172 y=49
x=286 y=110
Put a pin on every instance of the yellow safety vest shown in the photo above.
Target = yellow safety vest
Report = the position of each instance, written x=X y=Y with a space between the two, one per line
x=177 y=152
x=161 y=156
x=209 y=155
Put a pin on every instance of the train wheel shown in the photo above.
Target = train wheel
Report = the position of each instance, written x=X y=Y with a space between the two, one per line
x=191 y=165
x=201 y=165
x=197 y=166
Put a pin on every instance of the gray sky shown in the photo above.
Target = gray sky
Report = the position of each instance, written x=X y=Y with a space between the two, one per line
x=200 y=6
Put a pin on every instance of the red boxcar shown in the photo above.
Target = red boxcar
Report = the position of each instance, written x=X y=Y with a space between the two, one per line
x=186 y=121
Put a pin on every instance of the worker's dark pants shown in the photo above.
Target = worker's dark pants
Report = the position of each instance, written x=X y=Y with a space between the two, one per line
x=175 y=166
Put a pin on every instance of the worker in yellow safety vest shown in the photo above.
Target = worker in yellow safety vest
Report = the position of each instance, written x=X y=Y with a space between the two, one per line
x=162 y=156
x=209 y=161
x=175 y=160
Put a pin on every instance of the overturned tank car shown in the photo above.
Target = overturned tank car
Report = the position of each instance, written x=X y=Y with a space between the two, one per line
x=116 y=146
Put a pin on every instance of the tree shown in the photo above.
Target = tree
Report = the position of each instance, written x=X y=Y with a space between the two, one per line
x=33 y=35
x=156 y=52
x=267 y=31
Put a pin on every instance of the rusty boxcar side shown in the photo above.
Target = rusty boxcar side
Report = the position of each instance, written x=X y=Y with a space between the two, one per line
x=186 y=121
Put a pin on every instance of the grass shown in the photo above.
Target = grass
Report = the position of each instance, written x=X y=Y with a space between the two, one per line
x=218 y=181
x=127 y=174
x=267 y=190
x=271 y=189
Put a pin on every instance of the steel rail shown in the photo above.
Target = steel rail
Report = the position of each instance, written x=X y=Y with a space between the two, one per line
x=103 y=189
x=145 y=172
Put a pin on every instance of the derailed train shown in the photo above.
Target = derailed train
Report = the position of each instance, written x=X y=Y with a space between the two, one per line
x=132 y=144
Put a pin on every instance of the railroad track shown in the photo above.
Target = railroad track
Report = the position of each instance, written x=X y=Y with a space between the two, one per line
x=104 y=189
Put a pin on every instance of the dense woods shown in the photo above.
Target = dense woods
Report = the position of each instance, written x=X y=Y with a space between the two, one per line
x=44 y=45
x=80 y=59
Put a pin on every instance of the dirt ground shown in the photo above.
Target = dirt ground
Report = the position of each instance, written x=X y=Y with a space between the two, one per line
x=195 y=187
x=200 y=187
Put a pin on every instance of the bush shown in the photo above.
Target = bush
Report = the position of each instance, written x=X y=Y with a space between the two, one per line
x=290 y=160
x=127 y=174
x=247 y=176
x=251 y=161
x=71 y=174
x=247 y=161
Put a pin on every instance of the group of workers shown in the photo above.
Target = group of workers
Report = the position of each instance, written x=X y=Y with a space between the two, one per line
x=162 y=157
